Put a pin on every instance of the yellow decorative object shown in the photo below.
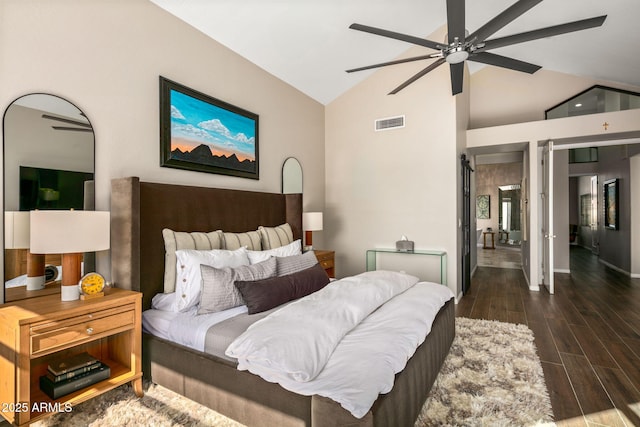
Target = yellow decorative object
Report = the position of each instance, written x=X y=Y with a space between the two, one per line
x=92 y=284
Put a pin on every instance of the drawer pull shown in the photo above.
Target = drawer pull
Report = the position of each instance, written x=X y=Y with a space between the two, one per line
x=89 y=331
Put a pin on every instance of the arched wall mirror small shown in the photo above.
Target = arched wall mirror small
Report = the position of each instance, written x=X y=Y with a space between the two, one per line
x=49 y=162
x=291 y=176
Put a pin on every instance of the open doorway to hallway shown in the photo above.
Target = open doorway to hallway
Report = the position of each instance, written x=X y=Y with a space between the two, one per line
x=499 y=210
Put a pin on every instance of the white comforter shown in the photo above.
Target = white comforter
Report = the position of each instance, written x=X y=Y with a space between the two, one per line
x=346 y=341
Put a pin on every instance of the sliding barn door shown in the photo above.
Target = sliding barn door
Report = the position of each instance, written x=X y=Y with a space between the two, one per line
x=466 y=223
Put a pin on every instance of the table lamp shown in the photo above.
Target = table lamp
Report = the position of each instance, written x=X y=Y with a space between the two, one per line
x=69 y=233
x=311 y=221
x=16 y=236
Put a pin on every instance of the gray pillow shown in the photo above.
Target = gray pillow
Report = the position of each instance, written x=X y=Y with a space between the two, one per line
x=293 y=264
x=176 y=240
x=262 y=295
x=218 y=292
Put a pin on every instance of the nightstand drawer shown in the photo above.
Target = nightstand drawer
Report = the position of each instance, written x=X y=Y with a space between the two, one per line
x=327 y=263
x=49 y=336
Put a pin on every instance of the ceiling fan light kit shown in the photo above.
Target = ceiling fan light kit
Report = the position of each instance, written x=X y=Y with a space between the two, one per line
x=461 y=46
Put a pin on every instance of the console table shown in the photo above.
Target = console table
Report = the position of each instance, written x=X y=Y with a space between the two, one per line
x=484 y=239
x=373 y=253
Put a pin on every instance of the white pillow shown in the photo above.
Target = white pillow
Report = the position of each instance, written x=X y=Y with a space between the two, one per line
x=164 y=302
x=189 y=278
x=293 y=248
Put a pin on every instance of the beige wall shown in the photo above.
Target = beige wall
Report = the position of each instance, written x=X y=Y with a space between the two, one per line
x=500 y=96
x=382 y=185
x=106 y=56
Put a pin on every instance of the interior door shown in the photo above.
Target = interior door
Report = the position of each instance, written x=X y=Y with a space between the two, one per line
x=595 y=243
x=547 y=233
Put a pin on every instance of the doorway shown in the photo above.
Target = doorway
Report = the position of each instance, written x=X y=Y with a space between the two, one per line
x=499 y=210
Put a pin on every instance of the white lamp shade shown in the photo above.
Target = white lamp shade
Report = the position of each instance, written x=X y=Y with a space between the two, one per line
x=60 y=232
x=312 y=221
x=16 y=230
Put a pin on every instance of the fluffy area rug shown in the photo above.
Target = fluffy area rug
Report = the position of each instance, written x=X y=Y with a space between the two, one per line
x=492 y=377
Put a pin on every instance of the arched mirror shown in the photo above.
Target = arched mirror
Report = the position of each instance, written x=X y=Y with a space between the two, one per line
x=291 y=176
x=49 y=162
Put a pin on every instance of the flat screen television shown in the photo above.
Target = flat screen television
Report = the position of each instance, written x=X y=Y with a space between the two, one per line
x=42 y=188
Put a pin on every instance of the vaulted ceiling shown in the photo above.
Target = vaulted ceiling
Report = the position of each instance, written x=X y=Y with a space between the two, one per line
x=307 y=43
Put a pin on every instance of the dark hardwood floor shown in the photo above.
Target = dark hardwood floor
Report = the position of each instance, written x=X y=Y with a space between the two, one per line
x=587 y=335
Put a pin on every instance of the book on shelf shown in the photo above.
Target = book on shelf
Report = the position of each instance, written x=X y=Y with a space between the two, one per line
x=63 y=365
x=73 y=373
x=58 y=389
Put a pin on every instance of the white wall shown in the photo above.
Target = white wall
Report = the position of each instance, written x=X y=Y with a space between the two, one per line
x=106 y=56
x=381 y=185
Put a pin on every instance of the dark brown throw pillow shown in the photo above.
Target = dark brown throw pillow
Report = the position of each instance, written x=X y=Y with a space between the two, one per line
x=265 y=294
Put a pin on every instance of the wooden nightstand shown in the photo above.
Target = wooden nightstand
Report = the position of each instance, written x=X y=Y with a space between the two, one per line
x=37 y=330
x=327 y=261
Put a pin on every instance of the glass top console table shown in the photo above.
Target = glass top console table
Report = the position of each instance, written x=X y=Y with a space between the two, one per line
x=373 y=253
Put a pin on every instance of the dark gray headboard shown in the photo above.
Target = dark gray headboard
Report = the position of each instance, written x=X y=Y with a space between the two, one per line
x=140 y=210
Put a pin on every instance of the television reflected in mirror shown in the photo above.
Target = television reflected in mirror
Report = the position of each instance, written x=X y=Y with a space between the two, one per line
x=42 y=188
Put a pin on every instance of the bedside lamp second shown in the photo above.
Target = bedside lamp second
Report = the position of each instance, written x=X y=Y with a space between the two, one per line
x=311 y=221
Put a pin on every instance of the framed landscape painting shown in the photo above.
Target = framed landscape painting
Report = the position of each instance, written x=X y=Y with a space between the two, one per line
x=202 y=133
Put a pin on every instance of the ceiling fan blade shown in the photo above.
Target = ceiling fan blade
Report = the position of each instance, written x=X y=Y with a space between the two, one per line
x=72 y=129
x=417 y=76
x=545 y=32
x=504 y=62
x=63 y=120
x=457 y=75
x=398 y=36
x=508 y=15
x=455 y=20
x=398 y=61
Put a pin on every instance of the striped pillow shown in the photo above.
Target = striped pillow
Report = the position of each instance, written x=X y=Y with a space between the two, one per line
x=176 y=240
x=274 y=237
x=250 y=239
x=293 y=264
x=218 y=292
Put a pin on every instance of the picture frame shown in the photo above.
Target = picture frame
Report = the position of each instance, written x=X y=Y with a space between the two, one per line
x=201 y=133
x=611 y=201
x=483 y=206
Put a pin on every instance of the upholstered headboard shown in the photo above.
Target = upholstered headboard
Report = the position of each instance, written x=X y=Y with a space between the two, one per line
x=140 y=210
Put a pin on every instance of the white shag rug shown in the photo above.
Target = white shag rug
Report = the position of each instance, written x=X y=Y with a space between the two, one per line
x=492 y=377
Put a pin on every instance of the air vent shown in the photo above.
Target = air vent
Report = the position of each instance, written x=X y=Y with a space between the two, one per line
x=389 y=123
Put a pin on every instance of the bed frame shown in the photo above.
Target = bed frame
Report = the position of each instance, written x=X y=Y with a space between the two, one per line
x=140 y=211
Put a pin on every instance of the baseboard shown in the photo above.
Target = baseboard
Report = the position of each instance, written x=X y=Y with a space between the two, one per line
x=635 y=275
x=615 y=267
x=459 y=297
x=561 y=270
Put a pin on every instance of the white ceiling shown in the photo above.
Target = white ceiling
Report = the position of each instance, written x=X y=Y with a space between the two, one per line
x=307 y=43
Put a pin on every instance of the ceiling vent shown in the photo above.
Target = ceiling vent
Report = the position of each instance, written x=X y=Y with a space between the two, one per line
x=389 y=123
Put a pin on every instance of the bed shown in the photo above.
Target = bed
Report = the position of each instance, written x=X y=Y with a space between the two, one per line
x=141 y=210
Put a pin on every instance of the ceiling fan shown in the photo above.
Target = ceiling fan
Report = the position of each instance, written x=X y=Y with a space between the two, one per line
x=78 y=125
x=461 y=46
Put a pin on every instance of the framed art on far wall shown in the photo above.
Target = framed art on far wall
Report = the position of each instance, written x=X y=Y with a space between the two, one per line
x=202 y=133
x=611 y=200
x=483 y=206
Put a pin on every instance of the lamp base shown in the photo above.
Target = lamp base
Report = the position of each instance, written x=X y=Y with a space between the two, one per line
x=69 y=293
x=35 y=283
